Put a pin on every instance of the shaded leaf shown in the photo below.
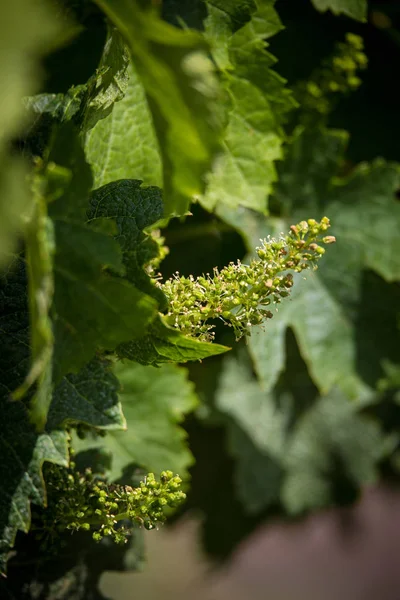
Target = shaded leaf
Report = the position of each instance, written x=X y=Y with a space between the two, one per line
x=14 y=326
x=133 y=208
x=331 y=446
x=92 y=101
x=240 y=396
x=27 y=30
x=176 y=75
x=89 y=397
x=93 y=308
x=323 y=309
x=258 y=475
x=39 y=251
x=15 y=204
x=356 y=9
x=154 y=403
x=72 y=571
x=304 y=459
x=23 y=452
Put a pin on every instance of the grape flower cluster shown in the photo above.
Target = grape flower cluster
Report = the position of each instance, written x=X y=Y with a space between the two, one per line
x=242 y=295
x=337 y=75
x=81 y=501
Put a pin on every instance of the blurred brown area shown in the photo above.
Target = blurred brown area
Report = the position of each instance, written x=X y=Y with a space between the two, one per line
x=339 y=554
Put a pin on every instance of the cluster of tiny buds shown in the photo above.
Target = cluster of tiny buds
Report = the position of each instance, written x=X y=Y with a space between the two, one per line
x=337 y=75
x=84 y=502
x=242 y=295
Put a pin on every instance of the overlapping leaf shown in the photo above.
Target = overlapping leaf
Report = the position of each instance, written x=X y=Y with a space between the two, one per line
x=298 y=450
x=39 y=251
x=356 y=9
x=154 y=403
x=23 y=451
x=257 y=102
x=332 y=448
x=176 y=75
x=93 y=307
x=314 y=451
x=93 y=101
x=124 y=145
x=133 y=208
x=90 y=397
x=163 y=344
x=323 y=309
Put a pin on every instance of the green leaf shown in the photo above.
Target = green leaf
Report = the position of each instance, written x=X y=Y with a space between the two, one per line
x=257 y=430
x=124 y=145
x=23 y=450
x=256 y=101
x=324 y=308
x=325 y=335
x=74 y=570
x=72 y=178
x=94 y=307
x=109 y=84
x=89 y=397
x=92 y=101
x=176 y=75
x=258 y=475
x=356 y=9
x=14 y=327
x=94 y=310
x=154 y=403
x=331 y=444
x=23 y=453
x=27 y=30
x=240 y=396
x=39 y=251
x=133 y=208
x=303 y=451
x=15 y=204
x=165 y=344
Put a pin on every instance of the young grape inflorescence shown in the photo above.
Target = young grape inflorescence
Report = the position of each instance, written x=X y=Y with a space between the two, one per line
x=242 y=295
x=81 y=501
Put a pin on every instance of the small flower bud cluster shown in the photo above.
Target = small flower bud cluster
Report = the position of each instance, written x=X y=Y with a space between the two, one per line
x=337 y=75
x=242 y=295
x=83 y=502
